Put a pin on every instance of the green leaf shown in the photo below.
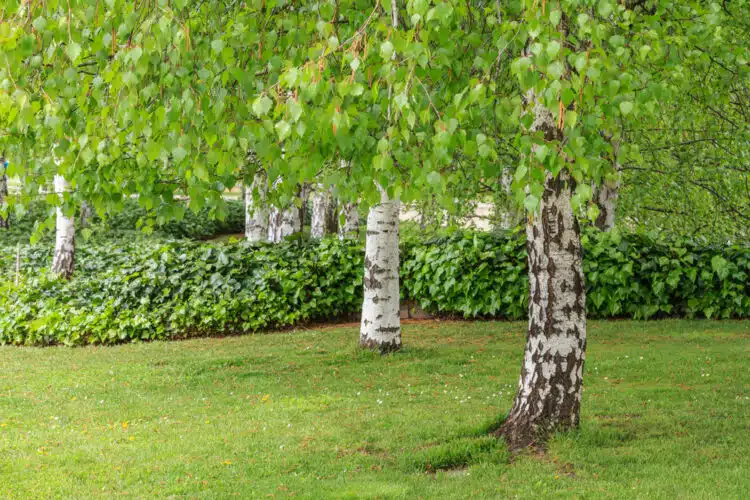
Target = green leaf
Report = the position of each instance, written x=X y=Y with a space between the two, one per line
x=217 y=45
x=626 y=107
x=262 y=105
x=283 y=129
x=541 y=152
x=179 y=154
x=386 y=50
x=720 y=266
x=553 y=48
x=74 y=51
x=531 y=203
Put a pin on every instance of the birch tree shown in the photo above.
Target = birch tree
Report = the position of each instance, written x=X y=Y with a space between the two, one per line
x=349 y=217
x=4 y=220
x=321 y=201
x=63 y=260
x=256 y=213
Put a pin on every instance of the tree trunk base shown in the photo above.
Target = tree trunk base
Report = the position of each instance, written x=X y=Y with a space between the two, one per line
x=383 y=347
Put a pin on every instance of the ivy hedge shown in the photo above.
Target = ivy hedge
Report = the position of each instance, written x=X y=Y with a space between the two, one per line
x=137 y=288
x=201 y=225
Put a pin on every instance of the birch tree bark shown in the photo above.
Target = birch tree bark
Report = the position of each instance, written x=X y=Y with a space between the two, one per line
x=256 y=213
x=4 y=222
x=381 y=321
x=319 y=218
x=63 y=260
x=86 y=213
x=550 y=385
x=332 y=214
x=606 y=195
x=606 y=199
x=283 y=223
x=350 y=227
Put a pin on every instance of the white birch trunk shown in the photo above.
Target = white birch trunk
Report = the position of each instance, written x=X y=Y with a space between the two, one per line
x=86 y=214
x=256 y=213
x=283 y=223
x=63 y=260
x=606 y=196
x=319 y=219
x=4 y=222
x=550 y=385
x=510 y=216
x=606 y=200
x=381 y=322
x=350 y=227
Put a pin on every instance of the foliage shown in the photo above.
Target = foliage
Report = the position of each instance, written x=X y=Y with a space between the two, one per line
x=632 y=275
x=304 y=414
x=163 y=98
x=205 y=224
x=144 y=289
x=135 y=291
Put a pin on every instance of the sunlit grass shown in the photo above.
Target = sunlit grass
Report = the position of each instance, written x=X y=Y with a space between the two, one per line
x=666 y=414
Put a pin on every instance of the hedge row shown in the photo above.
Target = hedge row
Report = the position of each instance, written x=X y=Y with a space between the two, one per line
x=144 y=289
x=202 y=225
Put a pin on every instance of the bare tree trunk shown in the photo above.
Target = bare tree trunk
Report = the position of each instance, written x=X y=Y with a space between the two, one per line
x=4 y=221
x=86 y=213
x=283 y=223
x=304 y=195
x=332 y=214
x=550 y=386
x=381 y=322
x=350 y=227
x=63 y=261
x=510 y=216
x=256 y=213
x=318 y=221
x=606 y=199
x=606 y=195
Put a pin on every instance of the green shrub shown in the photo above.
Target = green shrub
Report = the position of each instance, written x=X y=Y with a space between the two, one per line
x=136 y=291
x=473 y=274
x=134 y=287
x=202 y=225
x=230 y=219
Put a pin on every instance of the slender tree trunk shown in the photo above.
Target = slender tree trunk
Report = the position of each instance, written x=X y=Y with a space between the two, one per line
x=510 y=216
x=85 y=214
x=319 y=220
x=332 y=214
x=606 y=199
x=63 y=260
x=550 y=386
x=350 y=228
x=256 y=213
x=4 y=221
x=606 y=195
x=381 y=322
x=283 y=223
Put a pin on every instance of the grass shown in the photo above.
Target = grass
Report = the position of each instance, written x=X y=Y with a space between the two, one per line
x=665 y=414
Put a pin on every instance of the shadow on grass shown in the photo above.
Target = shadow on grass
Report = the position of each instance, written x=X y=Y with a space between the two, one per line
x=463 y=449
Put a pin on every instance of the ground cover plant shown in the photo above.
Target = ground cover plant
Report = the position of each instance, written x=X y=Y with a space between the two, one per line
x=129 y=287
x=666 y=414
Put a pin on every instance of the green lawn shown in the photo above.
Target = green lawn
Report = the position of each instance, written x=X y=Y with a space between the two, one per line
x=666 y=414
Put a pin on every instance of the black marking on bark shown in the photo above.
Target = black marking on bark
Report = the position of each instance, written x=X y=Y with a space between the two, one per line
x=384 y=347
x=371 y=269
